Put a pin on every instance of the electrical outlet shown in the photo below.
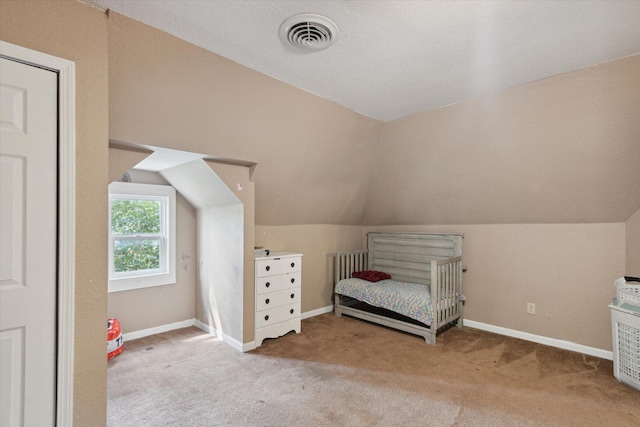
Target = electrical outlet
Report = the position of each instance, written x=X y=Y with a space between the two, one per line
x=531 y=308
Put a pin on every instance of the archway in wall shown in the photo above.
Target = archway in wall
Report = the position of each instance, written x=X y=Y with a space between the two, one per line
x=220 y=248
x=220 y=236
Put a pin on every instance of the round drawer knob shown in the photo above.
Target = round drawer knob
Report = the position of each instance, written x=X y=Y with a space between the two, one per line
x=293 y=280
x=293 y=264
x=267 y=284
x=266 y=317
x=291 y=311
x=266 y=301
x=293 y=295
x=268 y=268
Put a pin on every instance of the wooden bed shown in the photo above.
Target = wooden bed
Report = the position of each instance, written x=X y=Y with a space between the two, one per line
x=434 y=260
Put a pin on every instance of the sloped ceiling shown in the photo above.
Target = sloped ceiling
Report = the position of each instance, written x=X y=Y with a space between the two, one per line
x=395 y=58
x=199 y=185
x=563 y=150
x=312 y=156
x=559 y=150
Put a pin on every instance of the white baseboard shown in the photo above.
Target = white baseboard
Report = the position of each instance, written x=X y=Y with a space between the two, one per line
x=157 y=330
x=244 y=347
x=185 y=324
x=553 y=342
x=235 y=343
x=226 y=338
x=317 y=312
x=208 y=329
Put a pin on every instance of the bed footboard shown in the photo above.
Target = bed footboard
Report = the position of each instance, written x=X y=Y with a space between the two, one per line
x=446 y=291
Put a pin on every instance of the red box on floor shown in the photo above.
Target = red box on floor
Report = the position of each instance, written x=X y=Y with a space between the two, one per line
x=115 y=344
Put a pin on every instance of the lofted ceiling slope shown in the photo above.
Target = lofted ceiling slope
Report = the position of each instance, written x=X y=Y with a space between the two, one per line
x=562 y=150
x=396 y=58
x=559 y=150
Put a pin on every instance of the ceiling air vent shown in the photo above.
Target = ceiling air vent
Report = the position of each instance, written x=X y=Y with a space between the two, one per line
x=309 y=31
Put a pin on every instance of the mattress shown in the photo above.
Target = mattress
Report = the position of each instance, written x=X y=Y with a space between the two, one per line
x=409 y=299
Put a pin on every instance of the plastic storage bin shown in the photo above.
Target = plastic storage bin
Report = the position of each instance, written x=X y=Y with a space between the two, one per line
x=625 y=327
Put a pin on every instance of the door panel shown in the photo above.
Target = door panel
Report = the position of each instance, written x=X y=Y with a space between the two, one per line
x=28 y=236
x=12 y=216
x=11 y=380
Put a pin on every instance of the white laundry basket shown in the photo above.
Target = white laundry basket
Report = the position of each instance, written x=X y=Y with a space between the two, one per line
x=625 y=328
x=627 y=292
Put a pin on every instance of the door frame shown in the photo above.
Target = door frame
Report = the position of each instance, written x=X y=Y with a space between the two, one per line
x=66 y=219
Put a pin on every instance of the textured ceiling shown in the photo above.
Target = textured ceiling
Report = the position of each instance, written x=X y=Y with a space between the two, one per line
x=397 y=58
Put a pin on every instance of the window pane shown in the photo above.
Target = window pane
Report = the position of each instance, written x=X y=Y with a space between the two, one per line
x=133 y=255
x=135 y=216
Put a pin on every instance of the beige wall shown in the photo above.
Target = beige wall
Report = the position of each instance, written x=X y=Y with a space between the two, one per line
x=146 y=308
x=237 y=178
x=313 y=155
x=78 y=33
x=633 y=245
x=122 y=160
x=220 y=270
x=560 y=150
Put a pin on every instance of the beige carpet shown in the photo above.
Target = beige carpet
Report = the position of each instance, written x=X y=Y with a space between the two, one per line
x=346 y=372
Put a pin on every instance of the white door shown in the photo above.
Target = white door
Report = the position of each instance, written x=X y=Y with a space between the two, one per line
x=28 y=241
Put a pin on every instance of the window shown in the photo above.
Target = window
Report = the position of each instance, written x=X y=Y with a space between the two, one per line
x=141 y=236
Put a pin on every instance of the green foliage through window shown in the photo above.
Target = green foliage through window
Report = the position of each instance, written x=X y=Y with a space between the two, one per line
x=136 y=218
x=134 y=255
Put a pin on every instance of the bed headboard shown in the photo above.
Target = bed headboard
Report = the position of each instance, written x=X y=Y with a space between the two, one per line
x=407 y=256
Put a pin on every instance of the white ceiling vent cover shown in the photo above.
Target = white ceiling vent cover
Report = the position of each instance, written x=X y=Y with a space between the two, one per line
x=309 y=31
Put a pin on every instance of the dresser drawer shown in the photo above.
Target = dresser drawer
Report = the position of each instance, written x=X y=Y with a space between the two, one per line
x=274 y=266
x=276 y=299
x=277 y=314
x=277 y=283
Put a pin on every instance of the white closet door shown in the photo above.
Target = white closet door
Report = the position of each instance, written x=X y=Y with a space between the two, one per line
x=28 y=244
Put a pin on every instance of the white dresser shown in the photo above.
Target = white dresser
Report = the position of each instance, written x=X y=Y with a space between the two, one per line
x=278 y=283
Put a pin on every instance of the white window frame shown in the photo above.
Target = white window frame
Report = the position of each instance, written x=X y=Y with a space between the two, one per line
x=166 y=274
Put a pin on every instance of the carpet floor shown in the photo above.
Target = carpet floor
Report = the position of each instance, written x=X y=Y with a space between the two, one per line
x=341 y=371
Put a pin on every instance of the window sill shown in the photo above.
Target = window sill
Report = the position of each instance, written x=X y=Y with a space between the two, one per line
x=140 y=282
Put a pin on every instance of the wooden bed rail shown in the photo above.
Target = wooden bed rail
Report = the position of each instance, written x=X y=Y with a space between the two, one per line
x=446 y=291
x=347 y=262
